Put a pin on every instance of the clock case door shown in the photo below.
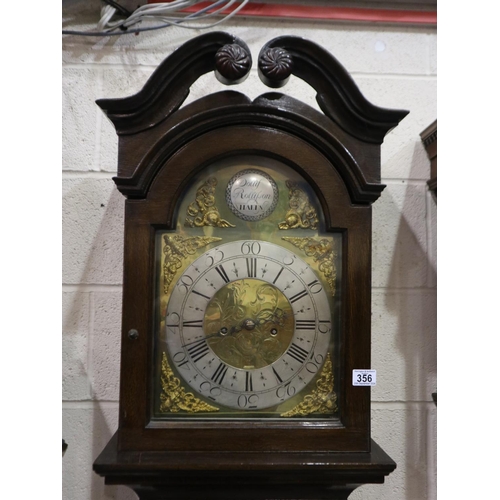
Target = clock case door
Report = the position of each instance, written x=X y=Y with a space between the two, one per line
x=161 y=148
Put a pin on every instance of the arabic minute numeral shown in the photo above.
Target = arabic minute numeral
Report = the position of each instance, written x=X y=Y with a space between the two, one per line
x=285 y=390
x=185 y=283
x=315 y=286
x=250 y=247
x=181 y=359
x=212 y=259
x=324 y=326
x=249 y=401
x=312 y=366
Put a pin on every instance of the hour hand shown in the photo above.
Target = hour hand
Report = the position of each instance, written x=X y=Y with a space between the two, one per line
x=224 y=332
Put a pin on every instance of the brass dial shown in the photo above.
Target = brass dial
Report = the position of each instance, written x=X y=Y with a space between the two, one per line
x=248 y=325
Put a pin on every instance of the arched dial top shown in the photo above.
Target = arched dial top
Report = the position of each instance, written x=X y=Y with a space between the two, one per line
x=248 y=325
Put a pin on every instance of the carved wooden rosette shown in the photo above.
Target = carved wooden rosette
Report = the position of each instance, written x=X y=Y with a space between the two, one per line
x=174 y=398
x=203 y=211
x=176 y=249
x=275 y=66
x=232 y=63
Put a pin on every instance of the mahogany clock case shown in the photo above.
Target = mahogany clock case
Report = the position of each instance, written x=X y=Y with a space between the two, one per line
x=162 y=148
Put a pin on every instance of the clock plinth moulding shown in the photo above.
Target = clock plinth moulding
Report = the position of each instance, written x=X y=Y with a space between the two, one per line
x=238 y=383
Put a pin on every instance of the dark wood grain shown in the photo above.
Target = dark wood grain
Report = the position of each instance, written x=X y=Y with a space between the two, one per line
x=168 y=86
x=143 y=154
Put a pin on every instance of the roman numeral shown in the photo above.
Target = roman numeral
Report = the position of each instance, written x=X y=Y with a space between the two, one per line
x=198 y=350
x=198 y=323
x=186 y=361
x=201 y=295
x=248 y=382
x=298 y=296
x=305 y=324
x=297 y=352
x=252 y=267
x=222 y=273
x=278 y=378
x=277 y=276
x=220 y=373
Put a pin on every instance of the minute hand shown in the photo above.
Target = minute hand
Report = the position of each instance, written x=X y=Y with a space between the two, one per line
x=234 y=329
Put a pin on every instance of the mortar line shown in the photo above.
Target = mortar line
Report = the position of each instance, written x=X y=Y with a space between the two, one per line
x=391 y=289
x=94 y=174
x=376 y=405
x=91 y=287
x=88 y=404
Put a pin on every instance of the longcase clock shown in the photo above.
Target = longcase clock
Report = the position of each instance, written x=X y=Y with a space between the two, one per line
x=247 y=278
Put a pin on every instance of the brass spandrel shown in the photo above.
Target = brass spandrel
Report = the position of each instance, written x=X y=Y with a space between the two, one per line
x=301 y=213
x=203 y=211
x=322 y=252
x=173 y=396
x=322 y=399
x=176 y=249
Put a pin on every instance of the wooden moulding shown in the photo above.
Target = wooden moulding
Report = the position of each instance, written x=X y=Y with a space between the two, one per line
x=245 y=476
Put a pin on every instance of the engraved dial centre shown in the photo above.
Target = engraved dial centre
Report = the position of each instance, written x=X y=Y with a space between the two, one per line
x=249 y=323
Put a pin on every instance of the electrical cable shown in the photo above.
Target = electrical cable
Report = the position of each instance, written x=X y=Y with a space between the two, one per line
x=107 y=13
x=125 y=12
x=156 y=9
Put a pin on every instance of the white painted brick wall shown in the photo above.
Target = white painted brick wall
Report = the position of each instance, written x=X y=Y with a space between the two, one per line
x=402 y=75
